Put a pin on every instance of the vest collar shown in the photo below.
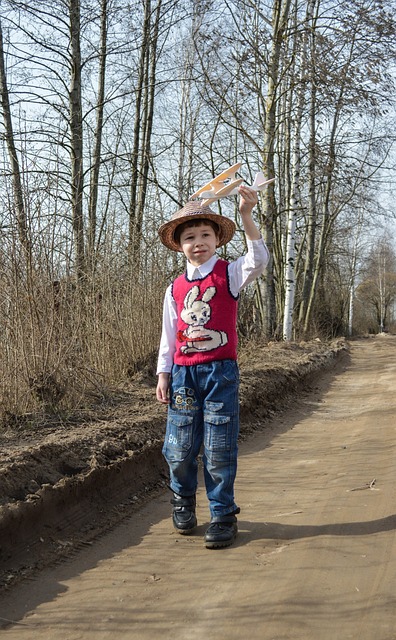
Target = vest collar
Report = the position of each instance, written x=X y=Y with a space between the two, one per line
x=198 y=273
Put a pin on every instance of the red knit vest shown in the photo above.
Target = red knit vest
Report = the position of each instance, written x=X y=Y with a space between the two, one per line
x=206 y=318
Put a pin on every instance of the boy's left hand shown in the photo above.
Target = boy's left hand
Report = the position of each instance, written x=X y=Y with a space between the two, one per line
x=248 y=200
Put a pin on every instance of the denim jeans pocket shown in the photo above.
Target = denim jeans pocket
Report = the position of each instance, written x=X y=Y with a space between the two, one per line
x=218 y=432
x=178 y=439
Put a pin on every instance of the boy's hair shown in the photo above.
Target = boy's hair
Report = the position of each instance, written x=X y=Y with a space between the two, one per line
x=195 y=223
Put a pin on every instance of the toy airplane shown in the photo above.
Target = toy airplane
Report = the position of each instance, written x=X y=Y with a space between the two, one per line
x=226 y=184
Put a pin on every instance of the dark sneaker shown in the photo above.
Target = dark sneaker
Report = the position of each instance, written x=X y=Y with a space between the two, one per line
x=184 y=519
x=221 y=532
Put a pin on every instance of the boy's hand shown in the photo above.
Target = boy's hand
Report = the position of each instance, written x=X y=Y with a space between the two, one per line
x=162 y=391
x=248 y=200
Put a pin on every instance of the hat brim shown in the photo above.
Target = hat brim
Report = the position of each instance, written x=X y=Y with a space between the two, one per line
x=167 y=230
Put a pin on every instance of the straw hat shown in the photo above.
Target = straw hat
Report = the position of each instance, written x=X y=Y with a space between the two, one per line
x=195 y=209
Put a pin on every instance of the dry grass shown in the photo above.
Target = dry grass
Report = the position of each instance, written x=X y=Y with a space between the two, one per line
x=62 y=346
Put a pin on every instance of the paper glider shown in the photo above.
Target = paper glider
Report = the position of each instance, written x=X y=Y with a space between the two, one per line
x=226 y=184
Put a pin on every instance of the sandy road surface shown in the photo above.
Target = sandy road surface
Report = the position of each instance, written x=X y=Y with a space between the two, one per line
x=315 y=557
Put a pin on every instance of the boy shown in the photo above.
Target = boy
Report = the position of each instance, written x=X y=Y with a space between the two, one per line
x=197 y=369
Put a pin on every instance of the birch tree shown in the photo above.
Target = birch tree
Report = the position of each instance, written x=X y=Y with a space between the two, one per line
x=378 y=287
x=98 y=134
x=280 y=16
x=294 y=205
x=345 y=168
x=354 y=272
x=311 y=226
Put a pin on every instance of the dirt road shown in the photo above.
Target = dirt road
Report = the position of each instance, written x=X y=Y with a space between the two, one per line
x=315 y=557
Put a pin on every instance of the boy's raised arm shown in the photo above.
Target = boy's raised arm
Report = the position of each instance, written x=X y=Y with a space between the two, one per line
x=247 y=203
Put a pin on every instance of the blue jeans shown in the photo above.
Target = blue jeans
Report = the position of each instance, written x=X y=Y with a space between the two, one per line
x=204 y=409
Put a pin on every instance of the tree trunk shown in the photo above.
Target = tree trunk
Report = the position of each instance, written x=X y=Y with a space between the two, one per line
x=279 y=22
x=326 y=214
x=76 y=132
x=312 y=213
x=290 y=276
x=21 y=218
x=147 y=127
x=94 y=179
x=135 y=161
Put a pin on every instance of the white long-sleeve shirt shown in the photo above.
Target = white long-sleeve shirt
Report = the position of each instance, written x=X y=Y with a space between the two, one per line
x=241 y=272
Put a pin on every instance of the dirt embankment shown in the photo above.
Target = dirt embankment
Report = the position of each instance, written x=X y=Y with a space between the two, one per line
x=72 y=480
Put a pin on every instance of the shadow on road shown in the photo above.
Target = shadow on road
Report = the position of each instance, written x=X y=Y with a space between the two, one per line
x=276 y=531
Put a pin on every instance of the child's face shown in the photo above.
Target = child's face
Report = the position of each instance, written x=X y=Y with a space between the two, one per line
x=198 y=243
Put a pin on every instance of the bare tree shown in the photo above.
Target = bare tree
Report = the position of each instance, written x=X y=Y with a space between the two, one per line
x=378 y=286
x=20 y=210
x=76 y=138
x=143 y=126
x=280 y=16
x=290 y=276
x=96 y=159
x=339 y=168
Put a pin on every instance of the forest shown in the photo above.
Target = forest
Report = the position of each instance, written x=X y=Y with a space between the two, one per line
x=113 y=112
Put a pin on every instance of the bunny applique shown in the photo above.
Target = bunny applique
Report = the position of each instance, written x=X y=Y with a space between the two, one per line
x=196 y=314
